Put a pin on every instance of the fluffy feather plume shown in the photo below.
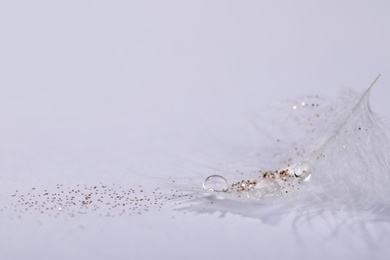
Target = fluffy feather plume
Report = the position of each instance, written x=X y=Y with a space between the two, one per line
x=316 y=157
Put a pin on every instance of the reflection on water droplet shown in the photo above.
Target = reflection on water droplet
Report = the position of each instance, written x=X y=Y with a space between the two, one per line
x=215 y=183
x=303 y=170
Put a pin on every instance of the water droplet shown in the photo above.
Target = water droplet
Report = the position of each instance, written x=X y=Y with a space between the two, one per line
x=268 y=188
x=254 y=194
x=215 y=183
x=303 y=170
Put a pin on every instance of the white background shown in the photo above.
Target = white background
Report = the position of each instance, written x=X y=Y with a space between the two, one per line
x=97 y=90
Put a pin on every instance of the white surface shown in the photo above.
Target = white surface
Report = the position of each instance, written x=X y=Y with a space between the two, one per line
x=94 y=91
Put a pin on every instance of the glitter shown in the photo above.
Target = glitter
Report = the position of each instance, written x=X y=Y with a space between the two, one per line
x=107 y=201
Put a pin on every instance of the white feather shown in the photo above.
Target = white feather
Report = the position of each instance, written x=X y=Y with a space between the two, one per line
x=347 y=146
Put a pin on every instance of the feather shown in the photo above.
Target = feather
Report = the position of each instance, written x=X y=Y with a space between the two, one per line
x=316 y=157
